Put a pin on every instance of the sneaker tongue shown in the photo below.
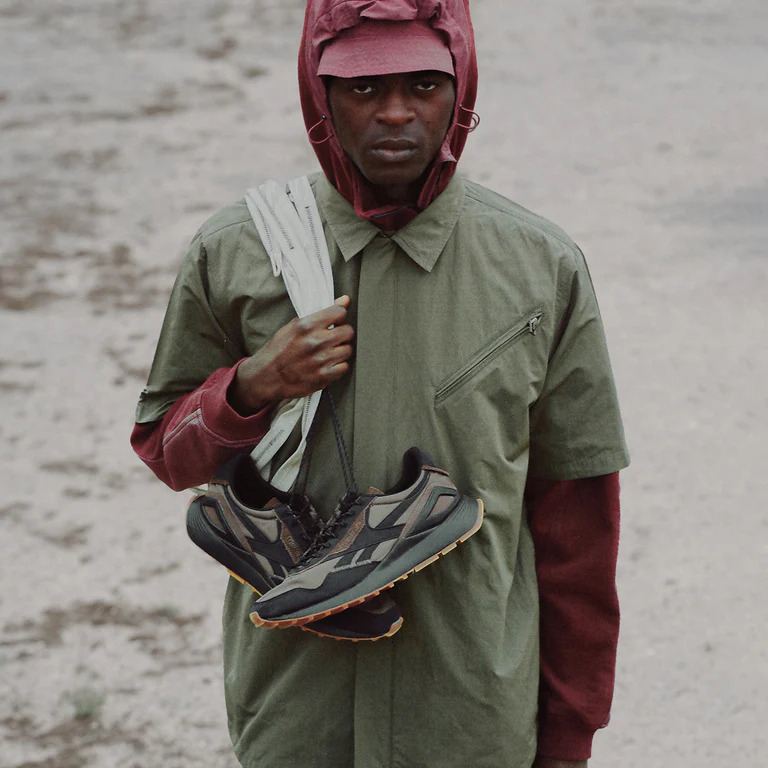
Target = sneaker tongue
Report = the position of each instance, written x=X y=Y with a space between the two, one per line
x=374 y=492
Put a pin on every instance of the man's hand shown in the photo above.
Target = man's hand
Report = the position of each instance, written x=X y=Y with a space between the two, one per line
x=548 y=762
x=304 y=356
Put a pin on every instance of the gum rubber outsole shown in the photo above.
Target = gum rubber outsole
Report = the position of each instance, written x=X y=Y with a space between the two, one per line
x=392 y=630
x=300 y=621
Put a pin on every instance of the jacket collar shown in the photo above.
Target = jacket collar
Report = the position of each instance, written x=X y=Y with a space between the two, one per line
x=422 y=239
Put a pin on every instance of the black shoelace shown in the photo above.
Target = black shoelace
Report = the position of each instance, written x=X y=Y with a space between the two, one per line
x=347 y=468
x=328 y=532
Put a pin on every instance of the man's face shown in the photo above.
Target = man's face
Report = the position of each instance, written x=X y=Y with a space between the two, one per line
x=392 y=126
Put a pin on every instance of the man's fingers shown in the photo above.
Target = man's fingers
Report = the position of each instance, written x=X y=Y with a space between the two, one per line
x=333 y=372
x=338 y=354
x=341 y=334
x=310 y=352
x=321 y=339
x=326 y=357
x=343 y=301
x=324 y=318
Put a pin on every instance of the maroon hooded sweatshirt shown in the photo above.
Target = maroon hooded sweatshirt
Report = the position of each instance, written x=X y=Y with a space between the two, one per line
x=324 y=20
x=574 y=524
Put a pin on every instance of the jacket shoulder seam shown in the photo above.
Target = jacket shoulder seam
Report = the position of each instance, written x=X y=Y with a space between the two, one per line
x=523 y=215
x=233 y=214
x=204 y=234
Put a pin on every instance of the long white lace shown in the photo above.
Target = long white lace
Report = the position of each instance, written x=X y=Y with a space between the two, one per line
x=290 y=229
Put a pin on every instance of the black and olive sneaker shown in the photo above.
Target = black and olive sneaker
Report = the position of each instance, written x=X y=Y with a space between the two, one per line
x=373 y=540
x=259 y=533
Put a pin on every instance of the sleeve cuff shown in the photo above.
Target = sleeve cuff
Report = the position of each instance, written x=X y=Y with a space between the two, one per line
x=225 y=422
x=565 y=741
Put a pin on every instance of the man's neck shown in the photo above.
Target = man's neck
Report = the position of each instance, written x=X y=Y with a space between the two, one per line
x=397 y=196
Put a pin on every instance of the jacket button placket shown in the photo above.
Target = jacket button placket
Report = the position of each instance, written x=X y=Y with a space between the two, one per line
x=376 y=308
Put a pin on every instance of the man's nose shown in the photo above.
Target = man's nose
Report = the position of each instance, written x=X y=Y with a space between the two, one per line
x=396 y=108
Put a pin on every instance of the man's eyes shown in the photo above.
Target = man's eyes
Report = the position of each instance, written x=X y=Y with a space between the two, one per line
x=366 y=88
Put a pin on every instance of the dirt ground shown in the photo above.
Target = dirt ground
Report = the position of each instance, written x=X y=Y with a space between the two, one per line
x=640 y=127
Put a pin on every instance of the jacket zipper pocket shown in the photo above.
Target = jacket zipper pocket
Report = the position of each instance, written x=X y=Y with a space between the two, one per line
x=456 y=380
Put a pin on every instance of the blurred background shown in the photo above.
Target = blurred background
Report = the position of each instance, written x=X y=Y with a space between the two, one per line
x=640 y=127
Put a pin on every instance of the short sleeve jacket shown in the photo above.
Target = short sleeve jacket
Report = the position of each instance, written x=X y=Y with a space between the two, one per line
x=478 y=339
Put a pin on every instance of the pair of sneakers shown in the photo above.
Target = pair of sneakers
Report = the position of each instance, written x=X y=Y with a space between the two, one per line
x=328 y=579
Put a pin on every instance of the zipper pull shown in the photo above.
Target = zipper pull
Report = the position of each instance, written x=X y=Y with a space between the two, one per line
x=533 y=324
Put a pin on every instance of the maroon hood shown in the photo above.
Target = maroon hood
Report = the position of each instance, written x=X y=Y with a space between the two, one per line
x=324 y=20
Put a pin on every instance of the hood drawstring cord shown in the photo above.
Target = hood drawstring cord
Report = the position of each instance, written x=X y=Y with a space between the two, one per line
x=320 y=122
x=474 y=120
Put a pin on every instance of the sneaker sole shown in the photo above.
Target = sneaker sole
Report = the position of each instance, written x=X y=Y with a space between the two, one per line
x=347 y=639
x=312 y=630
x=298 y=621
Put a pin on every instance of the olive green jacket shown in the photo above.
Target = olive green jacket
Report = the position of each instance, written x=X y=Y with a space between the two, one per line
x=479 y=339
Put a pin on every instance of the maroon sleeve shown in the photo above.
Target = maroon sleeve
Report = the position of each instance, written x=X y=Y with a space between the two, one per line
x=198 y=434
x=575 y=529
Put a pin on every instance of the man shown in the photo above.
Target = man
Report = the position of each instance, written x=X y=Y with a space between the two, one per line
x=466 y=326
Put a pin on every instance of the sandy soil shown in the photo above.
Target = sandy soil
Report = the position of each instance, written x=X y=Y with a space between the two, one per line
x=638 y=126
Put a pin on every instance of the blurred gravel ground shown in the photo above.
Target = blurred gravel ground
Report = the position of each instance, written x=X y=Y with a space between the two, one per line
x=640 y=127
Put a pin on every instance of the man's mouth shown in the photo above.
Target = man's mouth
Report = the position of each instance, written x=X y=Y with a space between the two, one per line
x=394 y=150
